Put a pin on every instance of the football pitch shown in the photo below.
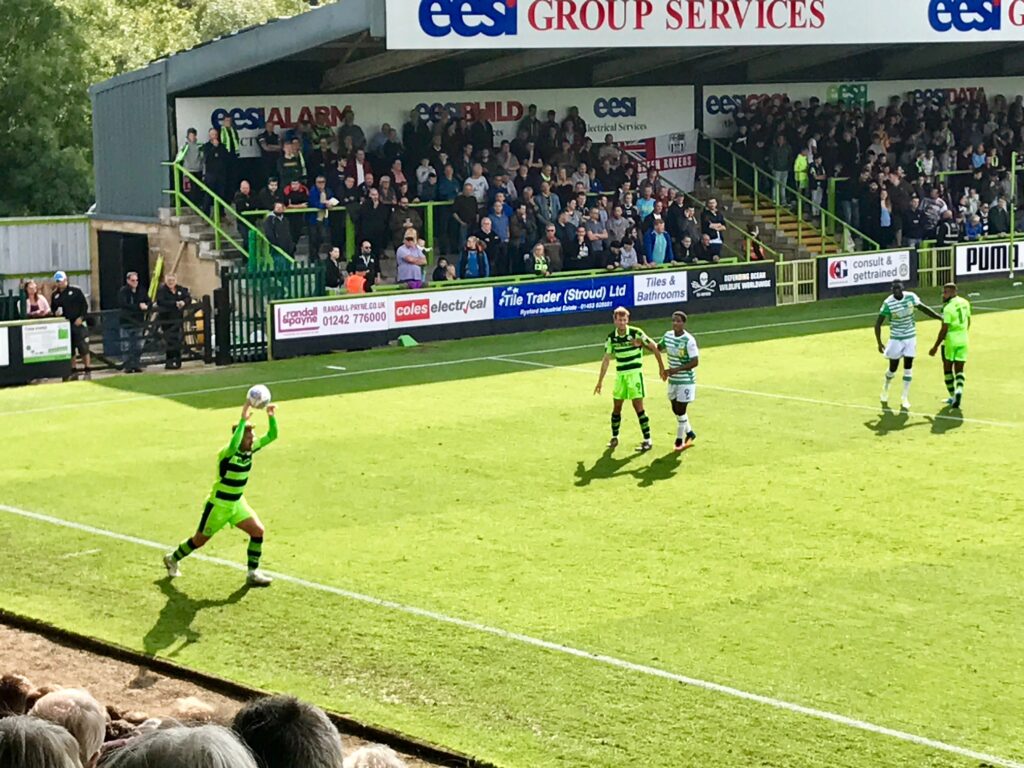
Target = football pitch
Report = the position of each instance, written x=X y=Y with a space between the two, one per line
x=818 y=582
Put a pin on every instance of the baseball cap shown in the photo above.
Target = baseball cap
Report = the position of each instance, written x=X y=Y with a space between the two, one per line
x=59 y=276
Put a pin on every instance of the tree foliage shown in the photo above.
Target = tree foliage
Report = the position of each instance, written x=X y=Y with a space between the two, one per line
x=54 y=49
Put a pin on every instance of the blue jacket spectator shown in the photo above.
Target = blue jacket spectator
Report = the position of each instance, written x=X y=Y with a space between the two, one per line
x=499 y=222
x=658 y=245
x=318 y=198
x=474 y=262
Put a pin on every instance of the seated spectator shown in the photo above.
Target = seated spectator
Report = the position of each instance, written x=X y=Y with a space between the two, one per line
x=411 y=261
x=708 y=250
x=474 y=262
x=28 y=742
x=376 y=756
x=658 y=245
x=206 y=746
x=77 y=712
x=36 y=304
x=283 y=732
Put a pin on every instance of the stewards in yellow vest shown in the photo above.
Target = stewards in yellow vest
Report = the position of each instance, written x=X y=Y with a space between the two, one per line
x=800 y=171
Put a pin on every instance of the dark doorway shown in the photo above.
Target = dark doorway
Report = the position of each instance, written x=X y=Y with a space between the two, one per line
x=121 y=253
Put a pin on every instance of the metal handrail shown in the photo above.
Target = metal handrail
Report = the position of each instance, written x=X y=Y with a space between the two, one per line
x=826 y=216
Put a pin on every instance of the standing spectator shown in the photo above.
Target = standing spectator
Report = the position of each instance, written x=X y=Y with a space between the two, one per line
x=577 y=253
x=70 y=303
x=530 y=125
x=687 y=253
x=36 y=304
x=913 y=224
x=597 y=239
x=270 y=149
x=948 y=231
x=886 y=229
x=481 y=132
x=465 y=214
x=443 y=272
x=269 y=196
x=334 y=271
x=216 y=165
x=297 y=197
x=283 y=732
x=190 y=157
x=552 y=247
x=358 y=167
x=171 y=300
x=934 y=208
x=229 y=138
x=548 y=205
x=77 y=712
x=403 y=218
x=537 y=261
x=244 y=202
x=713 y=227
x=491 y=243
x=658 y=245
x=522 y=235
x=479 y=184
x=374 y=217
x=321 y=198
x=279 y=233
x=410 y=262
x=290 y=166
x=348 y=129
x=416 y=136
x=474 y=262
x=134 y=305
x=780 y=160
x=999 y=218
x=502 y=228
x=368 y=262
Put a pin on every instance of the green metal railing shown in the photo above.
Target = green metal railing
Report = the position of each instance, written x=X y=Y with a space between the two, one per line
x=724 y=162
x=261 y=253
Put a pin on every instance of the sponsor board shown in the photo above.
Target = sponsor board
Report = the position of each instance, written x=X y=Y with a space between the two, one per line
x=475 y=24
x=441 y=308
x=45 y=342
x=562 y=297
x=711 y=283
x=673 y=155
x=723 y=102
x=628 y=114
x=973 y=259
x=5 y=347
x=659 y=288
x=868 y=269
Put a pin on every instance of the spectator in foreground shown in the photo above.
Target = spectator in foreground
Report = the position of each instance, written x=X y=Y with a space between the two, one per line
x=658 y=245
x=333 y=276
x=28 y=742
x=283 y=732
x=537 y=261
x=207 y=746
x=376 y=756
x=77 y=712
x=14 y=694
x=356 y=282
x=36 y=304
x=410 y=261
x=443 y=272
x=171 y=300
x=70 y=303
x=474 y=262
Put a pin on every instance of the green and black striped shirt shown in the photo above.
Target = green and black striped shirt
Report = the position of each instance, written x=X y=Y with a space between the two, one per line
x=233 y=465
x=628 y=350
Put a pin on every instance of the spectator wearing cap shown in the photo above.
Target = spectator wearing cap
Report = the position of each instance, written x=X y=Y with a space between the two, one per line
x=77 y=712
x=411 y=261
x=134 y=305
x=171 y=301
x=69 y=302
x=190 y=157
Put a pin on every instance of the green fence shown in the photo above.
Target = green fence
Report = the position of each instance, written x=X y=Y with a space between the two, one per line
x=243 y=300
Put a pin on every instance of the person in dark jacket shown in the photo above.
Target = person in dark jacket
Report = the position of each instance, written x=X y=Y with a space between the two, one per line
x=334 y=271
x=279 y=233
x=948 y=231
x=216 y=161
x=366 y=261
x=474 y=262
x=171 y=300
x=69 y=302
x=374 y=217
x=914 y=224
x=577 y=253
x=134 y=305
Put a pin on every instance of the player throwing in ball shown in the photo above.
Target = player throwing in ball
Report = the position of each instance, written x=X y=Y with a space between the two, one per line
x=683 y=359
x=626 y=344
x=226 y=504
x=956 y=322
x=899 y=310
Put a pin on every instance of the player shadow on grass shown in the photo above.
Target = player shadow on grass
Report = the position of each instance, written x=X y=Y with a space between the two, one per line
x=176 y=617
x=891 y=421
x=946 y=420
x=608 y=466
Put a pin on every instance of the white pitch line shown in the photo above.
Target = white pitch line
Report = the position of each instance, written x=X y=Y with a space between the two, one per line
x=81 y=554
x=336 y=367
x=548 y=645
x=413 y=366
x=775 y=396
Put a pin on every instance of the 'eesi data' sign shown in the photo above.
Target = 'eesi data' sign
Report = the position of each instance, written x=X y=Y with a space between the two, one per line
x=641 y=24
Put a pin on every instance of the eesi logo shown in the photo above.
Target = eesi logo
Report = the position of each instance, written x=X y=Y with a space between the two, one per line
x=468 y=18
x=965 y=15
x=615 y=107
x=838 y=270
x=411 y=310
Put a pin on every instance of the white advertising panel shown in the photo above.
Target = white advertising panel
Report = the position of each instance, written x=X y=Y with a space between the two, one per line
x=627 y=113
x=868 y=269
x=987 y=259
x=45 y=342
x=639 y=24
x=722 y=102
x=304 y=319
x=659 y=288
x=5 y=347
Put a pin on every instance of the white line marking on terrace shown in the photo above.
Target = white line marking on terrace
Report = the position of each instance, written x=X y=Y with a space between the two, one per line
x=775 y=396
x=547 y=645
x=415 y=366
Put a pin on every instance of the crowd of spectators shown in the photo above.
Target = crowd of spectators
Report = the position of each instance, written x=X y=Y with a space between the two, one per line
x=53 y=727
x=551 y=185
x=905 y=172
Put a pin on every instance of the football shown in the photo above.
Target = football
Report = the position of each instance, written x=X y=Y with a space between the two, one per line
x=259 y=396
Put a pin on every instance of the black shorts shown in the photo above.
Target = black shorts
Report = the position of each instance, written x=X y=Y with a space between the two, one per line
x=79 y=339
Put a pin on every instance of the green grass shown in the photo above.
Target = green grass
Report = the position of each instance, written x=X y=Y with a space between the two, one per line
x=822 y=553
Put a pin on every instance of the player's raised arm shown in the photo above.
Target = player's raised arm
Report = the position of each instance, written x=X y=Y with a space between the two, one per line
x=271 y=435
x=604 y=369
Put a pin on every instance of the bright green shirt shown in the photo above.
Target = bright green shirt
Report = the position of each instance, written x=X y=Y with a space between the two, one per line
x=957 y=317
x=627 y=352
x=234 y=466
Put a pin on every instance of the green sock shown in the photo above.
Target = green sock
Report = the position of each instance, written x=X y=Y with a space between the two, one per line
x=255 y=552
x=184 y=549
x=949 y=384
x=645 y=424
